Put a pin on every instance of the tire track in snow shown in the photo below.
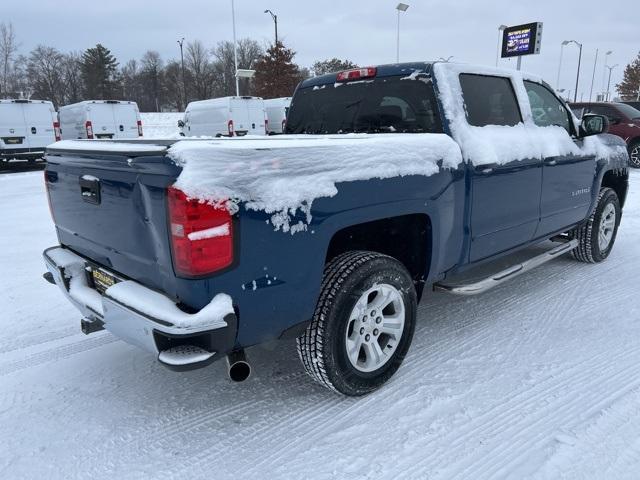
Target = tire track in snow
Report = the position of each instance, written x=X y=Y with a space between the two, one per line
x=530 y=436
x=55 y=353
x=509 y=412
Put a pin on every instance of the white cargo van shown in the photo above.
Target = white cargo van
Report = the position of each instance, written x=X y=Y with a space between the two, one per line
x=26 y=128
x=277 y=111
x=227 y=116
x=100 y=119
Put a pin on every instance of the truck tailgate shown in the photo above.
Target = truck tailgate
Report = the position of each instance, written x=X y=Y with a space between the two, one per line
x=110 y=206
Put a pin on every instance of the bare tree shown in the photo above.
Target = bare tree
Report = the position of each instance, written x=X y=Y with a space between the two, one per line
x=131 y=88
x=249 y=51
x=72 y=77
x=8 y=50
x=151 y=79
x=46 y=74
x=198 y=62
x=173 y=85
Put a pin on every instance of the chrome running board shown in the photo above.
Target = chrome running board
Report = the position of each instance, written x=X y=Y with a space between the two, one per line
x=488 y=283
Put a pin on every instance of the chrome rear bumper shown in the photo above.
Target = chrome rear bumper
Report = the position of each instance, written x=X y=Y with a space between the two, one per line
x=144 y=317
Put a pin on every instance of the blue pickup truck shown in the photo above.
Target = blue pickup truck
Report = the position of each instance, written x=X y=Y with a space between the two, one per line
x=390 y=179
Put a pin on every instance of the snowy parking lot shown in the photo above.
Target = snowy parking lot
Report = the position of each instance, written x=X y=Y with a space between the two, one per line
x=538 y=378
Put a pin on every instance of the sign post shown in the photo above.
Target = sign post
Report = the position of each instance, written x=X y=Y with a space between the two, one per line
x=521 y=40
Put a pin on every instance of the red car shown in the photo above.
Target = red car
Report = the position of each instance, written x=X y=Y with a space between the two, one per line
x=624 y=121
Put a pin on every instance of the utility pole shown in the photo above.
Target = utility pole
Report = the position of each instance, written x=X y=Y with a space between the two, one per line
x=235 y=47
x=184 y=84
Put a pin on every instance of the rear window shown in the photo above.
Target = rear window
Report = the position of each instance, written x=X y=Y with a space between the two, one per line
x=384 y=105
x=489 y=100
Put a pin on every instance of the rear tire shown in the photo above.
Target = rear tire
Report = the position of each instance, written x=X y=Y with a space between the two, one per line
x=363 y=323
x=598 y=234
x=634 y=154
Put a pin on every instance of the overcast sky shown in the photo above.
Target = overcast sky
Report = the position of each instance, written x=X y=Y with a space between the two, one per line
x=363 y=31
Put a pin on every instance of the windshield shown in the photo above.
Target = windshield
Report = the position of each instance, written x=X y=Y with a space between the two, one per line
x=629 y=111
x=382 y=105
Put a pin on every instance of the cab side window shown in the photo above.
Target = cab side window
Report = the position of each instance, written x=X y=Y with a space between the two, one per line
x=489 y=100
x=547 y=110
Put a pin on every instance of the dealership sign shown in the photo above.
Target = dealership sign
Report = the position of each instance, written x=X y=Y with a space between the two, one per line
x=521 y=40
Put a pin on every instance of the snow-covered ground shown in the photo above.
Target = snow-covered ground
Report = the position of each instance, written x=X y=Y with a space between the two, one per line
x=538 y=378
x=161 y=125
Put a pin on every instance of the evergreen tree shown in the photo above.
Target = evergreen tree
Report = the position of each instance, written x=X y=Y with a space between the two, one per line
x=276 y=74
x=100 y=74
x=629 y=88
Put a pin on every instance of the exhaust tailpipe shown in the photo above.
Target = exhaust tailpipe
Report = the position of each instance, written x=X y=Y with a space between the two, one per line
x=238 y=367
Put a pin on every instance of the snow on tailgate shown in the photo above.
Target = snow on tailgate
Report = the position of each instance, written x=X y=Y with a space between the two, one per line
x=283 y=174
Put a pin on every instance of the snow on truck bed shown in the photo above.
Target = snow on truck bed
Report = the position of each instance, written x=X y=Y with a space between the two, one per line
x=282 y=174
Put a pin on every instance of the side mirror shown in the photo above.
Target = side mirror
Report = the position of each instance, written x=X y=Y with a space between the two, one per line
x=593 y=124
x=180 y=124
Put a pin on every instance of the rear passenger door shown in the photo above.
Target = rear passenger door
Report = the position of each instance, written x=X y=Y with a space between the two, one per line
x=505 y=198
x=567 y=179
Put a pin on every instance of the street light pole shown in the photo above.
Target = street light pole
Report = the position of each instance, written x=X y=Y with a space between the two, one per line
x=566 y=42
x=604 y=69
x=275 y=22
x=235 y=47
x=401 y=7
x=184 y=84
x=560 y=64
x=609 y=82
x=500 y=30
x=593 y=75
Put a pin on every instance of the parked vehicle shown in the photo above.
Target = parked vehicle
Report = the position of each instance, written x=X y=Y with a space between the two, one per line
x=227 y=116
x=197 y=249
x=100 y=119
x=26 y=128
x=277 y=110
x=624 y=121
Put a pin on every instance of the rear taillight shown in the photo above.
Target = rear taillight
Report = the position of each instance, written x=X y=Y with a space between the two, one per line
x=89 y=128
x=230 y=127
x=356 y=74
x=139 y=128
x=201 y=235
x=56 y=131
x=266 y=126
x=284 y=125
x=46 y=187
